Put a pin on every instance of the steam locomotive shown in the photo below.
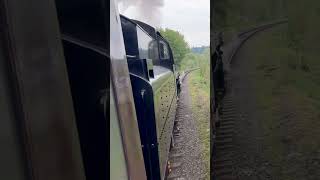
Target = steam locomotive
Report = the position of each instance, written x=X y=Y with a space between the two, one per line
x=55 y=91
x=152 y=76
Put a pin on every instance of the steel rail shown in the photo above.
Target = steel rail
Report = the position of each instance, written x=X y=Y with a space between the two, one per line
x=242 y=37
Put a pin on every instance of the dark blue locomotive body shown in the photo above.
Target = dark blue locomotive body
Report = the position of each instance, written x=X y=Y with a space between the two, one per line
x=151 y=67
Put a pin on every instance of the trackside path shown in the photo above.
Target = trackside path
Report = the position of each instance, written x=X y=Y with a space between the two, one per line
x=185 y=156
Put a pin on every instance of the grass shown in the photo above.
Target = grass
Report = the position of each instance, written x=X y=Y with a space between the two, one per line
x=289 y=99
x=199 y=88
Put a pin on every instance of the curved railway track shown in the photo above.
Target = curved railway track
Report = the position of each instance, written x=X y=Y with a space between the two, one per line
x=178 y=160
x=223 y=141
x=187 y=72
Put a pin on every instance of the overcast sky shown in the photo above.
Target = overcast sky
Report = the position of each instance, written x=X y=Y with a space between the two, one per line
x=190 y=17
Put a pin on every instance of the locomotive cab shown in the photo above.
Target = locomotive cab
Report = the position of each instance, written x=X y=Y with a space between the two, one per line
x=151 y=67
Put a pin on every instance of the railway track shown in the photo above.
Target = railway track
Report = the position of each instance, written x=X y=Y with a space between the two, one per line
x=223 y=150
x=187 y=72
x=177 y=153
x=243 y=36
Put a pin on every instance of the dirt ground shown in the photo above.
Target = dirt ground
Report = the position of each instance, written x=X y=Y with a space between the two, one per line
x=186 y=155
x=272 y=140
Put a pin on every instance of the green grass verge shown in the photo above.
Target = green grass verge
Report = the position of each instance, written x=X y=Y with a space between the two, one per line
x=199 y=89
x=288 y=96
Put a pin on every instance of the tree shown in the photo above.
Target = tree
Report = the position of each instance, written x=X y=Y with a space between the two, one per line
x=177 y=43
x=189 y=61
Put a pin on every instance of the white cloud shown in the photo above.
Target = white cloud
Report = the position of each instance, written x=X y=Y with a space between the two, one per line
x=190 y=17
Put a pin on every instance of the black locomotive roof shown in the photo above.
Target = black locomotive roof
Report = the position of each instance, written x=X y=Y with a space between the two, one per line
x=146 y=27
x=149 y=29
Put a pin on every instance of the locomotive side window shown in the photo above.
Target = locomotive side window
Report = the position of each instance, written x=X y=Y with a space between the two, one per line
x=87 y=70
x=146 y=47
x=153 y=51
x=84 y=44
x=164 y=50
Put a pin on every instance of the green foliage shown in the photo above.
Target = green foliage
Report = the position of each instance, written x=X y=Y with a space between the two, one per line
x=204 y=64
x=178 y=44
x=233 y=16
x=196 y=60
x=280 y=86
x=199 y=89
x=284 y=68
x=189 y=61
x=303 y=28
x=184 y=58
x=238 y=14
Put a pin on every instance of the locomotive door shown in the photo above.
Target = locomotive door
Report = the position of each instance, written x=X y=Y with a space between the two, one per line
x=164 y=88
x=153 y=84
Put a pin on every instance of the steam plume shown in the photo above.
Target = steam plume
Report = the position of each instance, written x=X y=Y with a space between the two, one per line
x=148 y=11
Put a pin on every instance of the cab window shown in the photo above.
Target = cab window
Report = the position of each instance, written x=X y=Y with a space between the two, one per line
x=164 y=50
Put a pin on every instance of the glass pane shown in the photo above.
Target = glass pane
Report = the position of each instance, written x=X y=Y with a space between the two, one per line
x=164 y=50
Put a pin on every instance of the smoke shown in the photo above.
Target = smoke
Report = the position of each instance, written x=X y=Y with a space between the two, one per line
x=148 y=11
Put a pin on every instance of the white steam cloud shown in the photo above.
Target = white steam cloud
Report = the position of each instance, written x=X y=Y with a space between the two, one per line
x=148 y=11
